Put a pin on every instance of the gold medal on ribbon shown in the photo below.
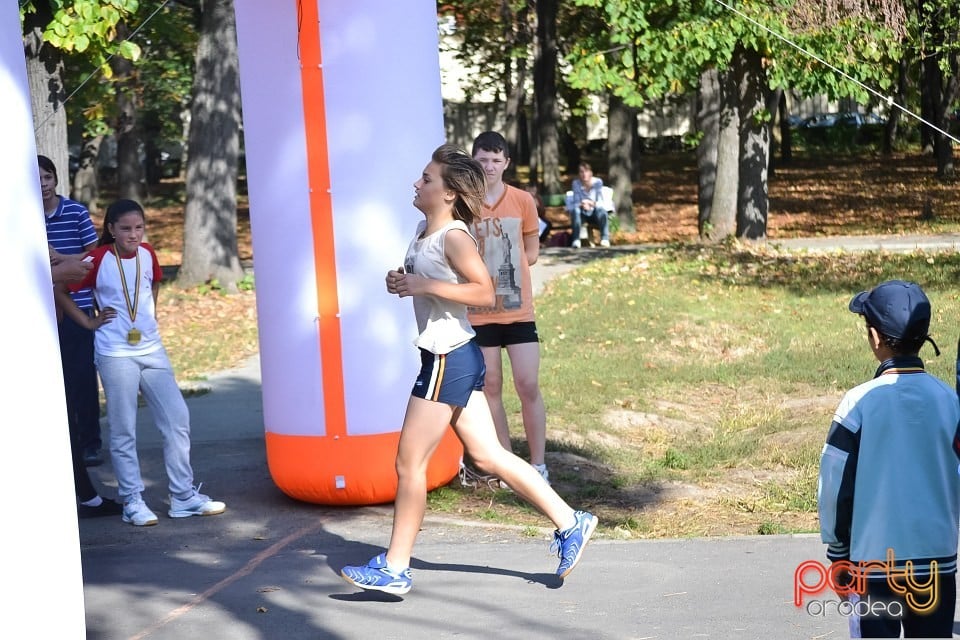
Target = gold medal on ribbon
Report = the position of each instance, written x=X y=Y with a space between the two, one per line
x=133 y=335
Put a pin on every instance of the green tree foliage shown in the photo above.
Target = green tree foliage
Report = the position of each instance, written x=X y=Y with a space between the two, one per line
x=54 y=30
x=660 y=48
x=933 y=41
x=82 y=25
x=161 y=45
x=489 y=40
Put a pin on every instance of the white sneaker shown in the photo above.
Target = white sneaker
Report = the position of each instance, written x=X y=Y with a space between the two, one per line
x=604 y=243
x=542 y=470
x=473 y=479
x=137 y=513
x=196 y=505
x=576 y=244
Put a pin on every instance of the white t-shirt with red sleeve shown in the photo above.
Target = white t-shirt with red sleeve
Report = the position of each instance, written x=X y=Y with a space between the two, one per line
x=111 y=338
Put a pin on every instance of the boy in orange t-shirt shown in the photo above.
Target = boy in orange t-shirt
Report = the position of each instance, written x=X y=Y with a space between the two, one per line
x=508 y=237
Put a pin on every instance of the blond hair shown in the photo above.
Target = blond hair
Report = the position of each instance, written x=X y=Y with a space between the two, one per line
x=463 y=175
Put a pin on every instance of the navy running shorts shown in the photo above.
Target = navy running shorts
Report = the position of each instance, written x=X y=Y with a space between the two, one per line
x=503 y=335
x=452 y=377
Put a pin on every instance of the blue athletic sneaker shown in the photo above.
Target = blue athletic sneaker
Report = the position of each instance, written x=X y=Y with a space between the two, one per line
x=377 y=577
x=569 y=544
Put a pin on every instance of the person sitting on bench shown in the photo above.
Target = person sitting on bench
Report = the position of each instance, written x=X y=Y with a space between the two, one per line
x=586 y=206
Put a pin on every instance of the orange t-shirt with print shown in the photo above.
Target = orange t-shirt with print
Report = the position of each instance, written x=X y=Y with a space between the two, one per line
x=500 y=233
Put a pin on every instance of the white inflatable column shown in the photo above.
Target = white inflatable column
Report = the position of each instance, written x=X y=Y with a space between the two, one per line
x=341 y=110
x=41 y=563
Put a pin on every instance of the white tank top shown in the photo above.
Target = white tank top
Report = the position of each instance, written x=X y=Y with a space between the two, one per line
x=442 y=324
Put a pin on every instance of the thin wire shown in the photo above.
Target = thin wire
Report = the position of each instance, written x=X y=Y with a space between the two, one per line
x=888 y=99
x=98 y=69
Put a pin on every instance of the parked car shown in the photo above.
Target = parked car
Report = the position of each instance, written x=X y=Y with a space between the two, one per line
x=844 y=119
x=819 y=120
x=165 y=164
x=847 y=127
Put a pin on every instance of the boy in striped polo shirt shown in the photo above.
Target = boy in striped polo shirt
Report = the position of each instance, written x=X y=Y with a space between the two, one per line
x=70 y=232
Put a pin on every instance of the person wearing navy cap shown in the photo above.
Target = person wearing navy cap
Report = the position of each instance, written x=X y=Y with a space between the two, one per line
x=889 y=490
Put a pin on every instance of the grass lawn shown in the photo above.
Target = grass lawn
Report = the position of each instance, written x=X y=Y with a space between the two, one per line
x=689 y=388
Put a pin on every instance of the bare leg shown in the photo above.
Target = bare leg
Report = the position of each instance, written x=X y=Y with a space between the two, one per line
x=525 y=363
x=474 y=427
x=493 y=390
x=423 y=426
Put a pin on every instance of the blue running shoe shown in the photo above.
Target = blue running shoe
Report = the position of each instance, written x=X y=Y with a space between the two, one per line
x=569 y=544
x=377 y=577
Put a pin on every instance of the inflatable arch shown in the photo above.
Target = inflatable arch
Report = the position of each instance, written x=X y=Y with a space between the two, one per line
x=335 y=135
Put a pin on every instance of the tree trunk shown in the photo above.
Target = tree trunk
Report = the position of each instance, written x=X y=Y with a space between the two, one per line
x=951 y=88
x=86 y=184
x=47 y=93
x=545 y=89
x=752 y=199
x=786 y=133
x=636 y=150
x=893 y=116
x=777 y=108
x=938 y=90
x=927 y=101
x=210 y=220
x=514 y=103
x=130 y=176
x=717 y=156
x=620 y=126
x=515 y=35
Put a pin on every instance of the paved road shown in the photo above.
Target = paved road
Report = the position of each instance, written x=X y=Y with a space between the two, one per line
x=267 y=568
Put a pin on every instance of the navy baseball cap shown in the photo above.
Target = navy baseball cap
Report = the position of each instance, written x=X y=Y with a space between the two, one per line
x=896 y=308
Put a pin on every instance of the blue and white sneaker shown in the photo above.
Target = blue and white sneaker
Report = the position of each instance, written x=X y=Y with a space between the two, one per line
x=376 y=576
x=137 y=513
x=569 y=544
x=196 y=505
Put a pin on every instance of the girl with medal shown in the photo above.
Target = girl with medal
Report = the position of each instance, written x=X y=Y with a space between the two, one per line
x=130 y=358
x=444 y=273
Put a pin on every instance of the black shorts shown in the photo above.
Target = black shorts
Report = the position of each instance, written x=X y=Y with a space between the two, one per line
x=452 y=377
x=503 y=335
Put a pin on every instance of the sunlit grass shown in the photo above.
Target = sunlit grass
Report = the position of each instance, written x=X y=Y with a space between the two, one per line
x=689 y=389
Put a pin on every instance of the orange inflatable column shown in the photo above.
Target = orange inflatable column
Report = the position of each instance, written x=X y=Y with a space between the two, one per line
x=341 y=110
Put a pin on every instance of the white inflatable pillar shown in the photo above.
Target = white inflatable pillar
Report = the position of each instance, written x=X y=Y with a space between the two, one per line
x=341 y=112
x=41 y=565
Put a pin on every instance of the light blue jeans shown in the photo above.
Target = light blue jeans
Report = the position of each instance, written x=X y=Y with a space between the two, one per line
x=598 y=217
x=151 y=374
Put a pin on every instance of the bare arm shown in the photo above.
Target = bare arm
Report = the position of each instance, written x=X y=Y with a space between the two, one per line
x=66 y=304
x=531 y=247
x=462 y=254
x=69 y=269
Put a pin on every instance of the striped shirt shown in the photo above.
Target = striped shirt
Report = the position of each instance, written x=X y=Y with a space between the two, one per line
x=69 y=230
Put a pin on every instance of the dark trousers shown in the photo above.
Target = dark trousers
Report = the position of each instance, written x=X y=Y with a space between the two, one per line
x=82 y=484
x=937 y=623
x=80 y=383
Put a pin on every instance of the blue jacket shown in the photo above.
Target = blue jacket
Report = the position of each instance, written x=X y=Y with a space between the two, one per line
x=888 y=471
